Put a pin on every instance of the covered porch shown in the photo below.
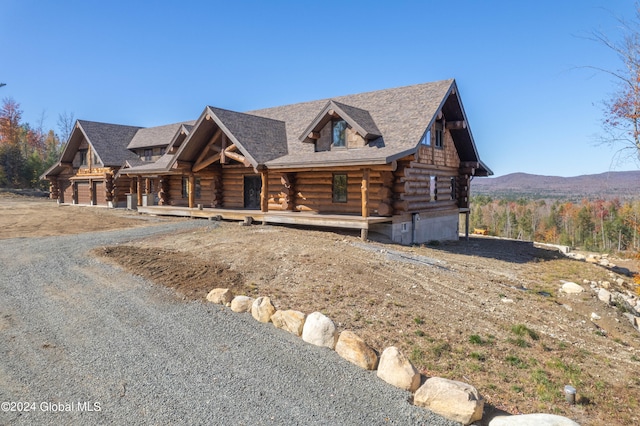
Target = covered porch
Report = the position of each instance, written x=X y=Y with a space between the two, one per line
x=277 y=217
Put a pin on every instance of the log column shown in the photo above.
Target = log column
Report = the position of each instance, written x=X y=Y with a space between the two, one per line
x=216 y=189
x=139 y=189
x=163 y=191
x=192 y=191
x=364 y=232
x=54 y=189
x=288 y=191
x=264 y=192
x=108 y=186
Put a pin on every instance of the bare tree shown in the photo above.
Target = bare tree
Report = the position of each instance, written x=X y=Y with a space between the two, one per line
x=66 y=121
x=621 y=122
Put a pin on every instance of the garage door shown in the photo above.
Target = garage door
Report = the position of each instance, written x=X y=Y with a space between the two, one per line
x=100 y=195
x=66 y=189
x=84 y=192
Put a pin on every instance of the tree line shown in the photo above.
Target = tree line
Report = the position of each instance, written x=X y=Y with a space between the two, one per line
x=26 y=151
x=599 y=225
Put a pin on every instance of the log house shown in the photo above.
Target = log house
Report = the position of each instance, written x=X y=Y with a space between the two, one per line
x=396 y=161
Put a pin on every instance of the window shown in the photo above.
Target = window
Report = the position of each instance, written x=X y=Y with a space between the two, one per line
x=340 y=188
x=147 y=154
x=426 y=138
x=185 y=187
x=433 y=188
x=198 y=188
x=83 y=157
x=163 y=150
x=439 y=142
x=454 y=192
x=339 y=132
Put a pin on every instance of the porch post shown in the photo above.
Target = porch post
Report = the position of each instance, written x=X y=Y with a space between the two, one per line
x=365 y=193
x=364 y=232
x=264 y=192
x=139 y=189
x=192 y=191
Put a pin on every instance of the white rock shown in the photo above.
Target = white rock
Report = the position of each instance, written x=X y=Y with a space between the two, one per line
x=352 y=348
x=454 y=400
x=505 y=300
x=604 y=295
x=620 y=281
x=291 y=321
x=242 y=304
x=532 y=420
x=319 y=330
x=595 y=316
x=592 y=259
x=262 y=309
x=396 y=369
x=605 y=284
x=220 y=295
x=571 y=288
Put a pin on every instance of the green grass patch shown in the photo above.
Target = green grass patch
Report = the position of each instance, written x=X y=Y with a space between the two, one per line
x=522 y=331
x=478 y=356
x=516 y=361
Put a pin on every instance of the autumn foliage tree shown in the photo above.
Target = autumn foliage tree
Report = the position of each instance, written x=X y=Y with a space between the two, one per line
x=25 y=151
x=621 y=121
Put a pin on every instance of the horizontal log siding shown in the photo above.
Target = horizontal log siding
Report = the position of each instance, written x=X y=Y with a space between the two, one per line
x=276 y=194
x=233 y=186
x=314 y=192
x=175 y=192
x=412 y=186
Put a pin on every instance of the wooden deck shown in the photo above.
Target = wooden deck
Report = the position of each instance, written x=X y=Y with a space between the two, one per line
x=289 y=218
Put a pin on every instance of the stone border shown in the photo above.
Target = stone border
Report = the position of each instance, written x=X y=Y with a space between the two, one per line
x=451 y=399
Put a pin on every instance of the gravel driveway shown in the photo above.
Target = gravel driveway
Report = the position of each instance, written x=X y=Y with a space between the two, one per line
x=82 y=342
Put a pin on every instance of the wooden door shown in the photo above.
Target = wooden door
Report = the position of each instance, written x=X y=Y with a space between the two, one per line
x=84 y=192
x=252 y=189
x=99 y=193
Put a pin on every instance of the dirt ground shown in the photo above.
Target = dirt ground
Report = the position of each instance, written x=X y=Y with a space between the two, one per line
x=487 y=312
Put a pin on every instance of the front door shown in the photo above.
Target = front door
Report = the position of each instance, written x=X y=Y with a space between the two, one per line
x=252 y=189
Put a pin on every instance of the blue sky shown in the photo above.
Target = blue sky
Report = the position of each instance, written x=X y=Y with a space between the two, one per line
x=531 y=104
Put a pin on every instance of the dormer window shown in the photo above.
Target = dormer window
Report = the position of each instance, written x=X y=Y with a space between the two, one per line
x=148 y=153
x=339 y=133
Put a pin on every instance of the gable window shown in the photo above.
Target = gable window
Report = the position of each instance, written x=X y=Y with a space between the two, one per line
x=339 y=133
x=83 y=157
x=426 y=138
x=439 y=142
x=163 y=150
x=339 y=190
x=147 y=154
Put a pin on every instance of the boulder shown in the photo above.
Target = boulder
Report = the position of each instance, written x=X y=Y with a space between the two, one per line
x=319 y=330
x=291 y=321
x=352 y=348
x=453 y=400
x=396 y=369
x=220 y=295
x=242 y=304
x=604 y=295
x=592 y=259
x=532 y=420
x=605 y=284
x=571 y=288
x=262 y=309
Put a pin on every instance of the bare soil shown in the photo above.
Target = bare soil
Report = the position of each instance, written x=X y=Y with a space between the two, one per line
x=487 y=312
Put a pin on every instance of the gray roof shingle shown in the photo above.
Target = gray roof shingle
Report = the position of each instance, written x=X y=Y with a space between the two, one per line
x=156 y=136
x=109 y=141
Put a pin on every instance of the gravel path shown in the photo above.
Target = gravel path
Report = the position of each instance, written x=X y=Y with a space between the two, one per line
x=82 y=342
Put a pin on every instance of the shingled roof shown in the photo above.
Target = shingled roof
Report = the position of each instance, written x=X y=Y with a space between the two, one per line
x=109 y=142
x=401 y=115
x=156 y=136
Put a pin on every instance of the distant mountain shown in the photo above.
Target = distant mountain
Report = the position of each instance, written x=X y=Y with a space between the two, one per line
x=623 y=185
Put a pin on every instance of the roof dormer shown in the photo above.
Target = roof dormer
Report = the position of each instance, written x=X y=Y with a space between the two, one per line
x=340 y=126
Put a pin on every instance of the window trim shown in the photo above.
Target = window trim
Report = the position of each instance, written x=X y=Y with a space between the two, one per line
x=426 y=138
x=439 y=136
x=84 y=157
x=344 y=133
x=336 y=193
